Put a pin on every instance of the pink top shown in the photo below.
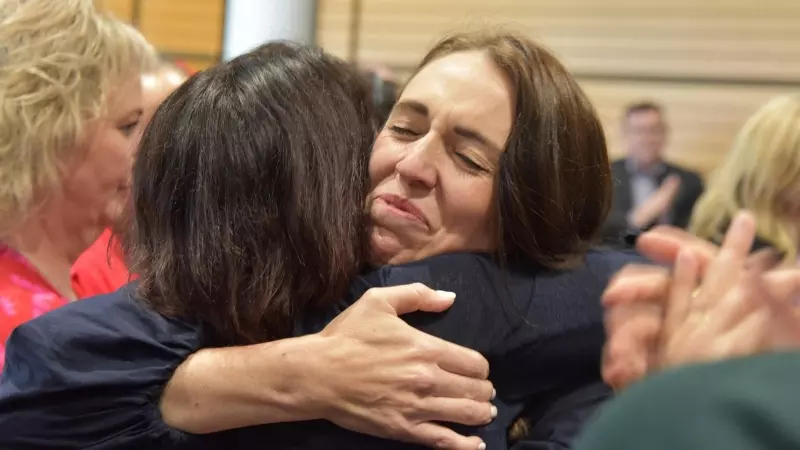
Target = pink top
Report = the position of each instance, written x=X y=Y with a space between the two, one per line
x=24 y=294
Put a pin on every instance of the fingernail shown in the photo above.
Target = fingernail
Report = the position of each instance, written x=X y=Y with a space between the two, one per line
x=482 y=446
x=494 y=393
x=741 y=221
x=447 y=295
x=494 y=411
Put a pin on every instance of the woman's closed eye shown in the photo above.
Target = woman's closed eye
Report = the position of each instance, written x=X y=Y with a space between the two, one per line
x=128 y=128
x=402 y=131
x=472 y=165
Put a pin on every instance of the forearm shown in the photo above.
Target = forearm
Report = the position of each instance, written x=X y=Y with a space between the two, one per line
x=235 y=387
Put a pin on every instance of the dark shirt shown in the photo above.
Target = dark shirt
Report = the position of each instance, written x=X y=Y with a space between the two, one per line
x=89 y=375
x=645 y=183
x=630 y=187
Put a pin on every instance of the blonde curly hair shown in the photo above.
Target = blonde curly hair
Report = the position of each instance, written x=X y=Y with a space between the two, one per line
x=759 y=174
x=59 y=62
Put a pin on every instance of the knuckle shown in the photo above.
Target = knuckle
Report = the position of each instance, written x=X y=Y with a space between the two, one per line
x=425 y=350
x=483 y=366
x=371 y=293
x=423 y=379
x=418 y=288
x=444 y=442
x=486 y=391
x=477 y=413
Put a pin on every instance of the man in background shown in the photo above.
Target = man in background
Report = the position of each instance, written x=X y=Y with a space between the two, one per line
x=648 y=190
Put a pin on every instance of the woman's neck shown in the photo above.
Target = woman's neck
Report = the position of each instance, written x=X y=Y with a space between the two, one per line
x=51 y=248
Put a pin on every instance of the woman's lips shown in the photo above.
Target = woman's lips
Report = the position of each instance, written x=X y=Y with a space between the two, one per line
x=402 y=207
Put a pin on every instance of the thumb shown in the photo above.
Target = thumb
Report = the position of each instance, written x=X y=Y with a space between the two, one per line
x=415 y=297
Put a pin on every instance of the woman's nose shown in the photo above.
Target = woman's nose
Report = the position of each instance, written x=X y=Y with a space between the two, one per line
x=417 y=167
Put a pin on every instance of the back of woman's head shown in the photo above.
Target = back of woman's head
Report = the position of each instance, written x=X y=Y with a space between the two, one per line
x=248 y=192
x=59 y=61
x=553 y=186
x=761 y=173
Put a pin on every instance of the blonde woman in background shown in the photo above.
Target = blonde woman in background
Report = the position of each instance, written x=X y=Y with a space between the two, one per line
x=70 y=110
x=760 y=174
x=101 y=269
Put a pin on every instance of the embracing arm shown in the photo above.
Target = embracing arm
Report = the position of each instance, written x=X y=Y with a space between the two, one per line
x=69 y=381
x=331 y=375
x=257 y=384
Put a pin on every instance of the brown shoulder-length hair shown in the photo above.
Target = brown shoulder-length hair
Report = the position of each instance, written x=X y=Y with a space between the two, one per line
x=248 y=192
x=553 y=186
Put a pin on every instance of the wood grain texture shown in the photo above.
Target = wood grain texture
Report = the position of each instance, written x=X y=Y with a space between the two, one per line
x=184 y=26
x=190 y=29
x=703 y=118
x=710 y=63
x=333 y=26
x=121 y=9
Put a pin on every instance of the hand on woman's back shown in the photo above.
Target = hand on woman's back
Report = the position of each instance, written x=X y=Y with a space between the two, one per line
x=384 y=378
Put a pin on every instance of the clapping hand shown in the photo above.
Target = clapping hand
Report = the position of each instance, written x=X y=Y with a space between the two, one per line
x=742 y=306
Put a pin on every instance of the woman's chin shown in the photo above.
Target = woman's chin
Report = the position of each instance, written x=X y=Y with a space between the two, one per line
x=384 y=247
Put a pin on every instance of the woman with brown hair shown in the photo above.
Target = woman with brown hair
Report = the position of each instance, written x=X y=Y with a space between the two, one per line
x=248 y=226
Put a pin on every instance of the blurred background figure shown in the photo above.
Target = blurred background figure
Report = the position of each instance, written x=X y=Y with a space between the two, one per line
x=647 y=189
x=71 y=96
x=101 y=268
x=159 y=83
x=761 y=173
x=384 y=87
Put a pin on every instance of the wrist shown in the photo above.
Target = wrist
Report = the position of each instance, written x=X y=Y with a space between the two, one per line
x=299 y=385
x=287 y=363
x=236 y=387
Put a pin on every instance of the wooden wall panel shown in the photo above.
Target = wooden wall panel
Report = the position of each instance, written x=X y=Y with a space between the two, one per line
x=732 y=39
x=711 y=63
x=121 y=9
x=334 y=26
x=703 y=118
x=184 y=26
x=189 y=30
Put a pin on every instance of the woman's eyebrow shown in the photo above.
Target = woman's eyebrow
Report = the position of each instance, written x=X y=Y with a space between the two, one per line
x=476 y=137
x=413 y=107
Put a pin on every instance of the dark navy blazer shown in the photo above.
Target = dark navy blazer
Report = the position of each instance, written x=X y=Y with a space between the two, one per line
x=89 y=375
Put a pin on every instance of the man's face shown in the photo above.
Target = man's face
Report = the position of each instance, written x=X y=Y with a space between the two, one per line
x=645 y=136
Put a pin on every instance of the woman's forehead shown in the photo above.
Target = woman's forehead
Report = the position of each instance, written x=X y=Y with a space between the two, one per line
x=466 y=89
